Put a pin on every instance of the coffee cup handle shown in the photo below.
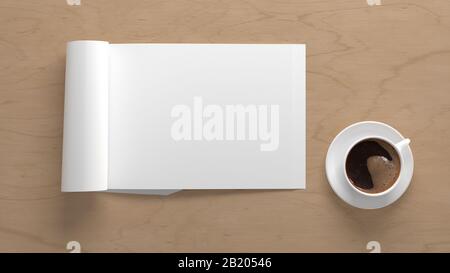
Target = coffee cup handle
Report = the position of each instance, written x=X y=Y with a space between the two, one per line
x=402 y=144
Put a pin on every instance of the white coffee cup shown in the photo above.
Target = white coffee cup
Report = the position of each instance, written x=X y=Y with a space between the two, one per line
x=336 y=160
x=399 y=147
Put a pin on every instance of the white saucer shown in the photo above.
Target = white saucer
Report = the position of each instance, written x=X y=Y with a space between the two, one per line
x=335 y=165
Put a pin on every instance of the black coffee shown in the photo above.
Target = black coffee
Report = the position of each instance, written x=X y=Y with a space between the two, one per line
x=373 y=165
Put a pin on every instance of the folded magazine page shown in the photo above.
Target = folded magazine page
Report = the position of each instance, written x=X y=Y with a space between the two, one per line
x=155 y=118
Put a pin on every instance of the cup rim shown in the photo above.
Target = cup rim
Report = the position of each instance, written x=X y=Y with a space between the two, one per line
x=399 y=175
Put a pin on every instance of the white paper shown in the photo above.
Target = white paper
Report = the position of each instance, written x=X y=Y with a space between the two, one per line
x=85 y=141
x=124 y=96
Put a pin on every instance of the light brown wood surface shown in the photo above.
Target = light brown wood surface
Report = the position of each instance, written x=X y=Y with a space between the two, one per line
x=389 y=63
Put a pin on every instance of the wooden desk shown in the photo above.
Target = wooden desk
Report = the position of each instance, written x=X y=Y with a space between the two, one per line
x=389 y=63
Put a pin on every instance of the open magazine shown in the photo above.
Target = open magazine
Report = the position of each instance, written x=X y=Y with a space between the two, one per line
x=154 y=118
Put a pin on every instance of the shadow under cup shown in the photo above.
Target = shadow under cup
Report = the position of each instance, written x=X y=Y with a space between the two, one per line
x=372 y=165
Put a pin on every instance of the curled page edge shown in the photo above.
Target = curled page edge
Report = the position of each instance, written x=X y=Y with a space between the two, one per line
x=85 y=139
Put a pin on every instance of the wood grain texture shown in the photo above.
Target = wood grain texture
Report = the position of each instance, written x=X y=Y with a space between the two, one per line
x=389 y=63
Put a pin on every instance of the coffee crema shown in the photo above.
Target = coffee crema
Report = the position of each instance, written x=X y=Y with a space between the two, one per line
x=373 y=165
